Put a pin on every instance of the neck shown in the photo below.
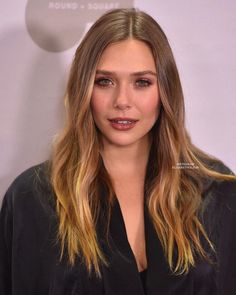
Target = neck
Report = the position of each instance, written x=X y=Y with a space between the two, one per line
x=128 y=161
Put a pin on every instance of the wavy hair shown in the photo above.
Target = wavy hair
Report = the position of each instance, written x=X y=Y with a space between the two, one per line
x=77 y=169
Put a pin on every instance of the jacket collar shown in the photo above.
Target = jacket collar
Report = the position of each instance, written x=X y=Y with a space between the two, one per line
x=122 y=272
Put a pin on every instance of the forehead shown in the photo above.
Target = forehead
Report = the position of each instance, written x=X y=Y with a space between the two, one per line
x=130 y=54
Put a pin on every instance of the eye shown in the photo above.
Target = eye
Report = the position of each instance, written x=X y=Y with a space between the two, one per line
x=103 y=82
x=143 y=83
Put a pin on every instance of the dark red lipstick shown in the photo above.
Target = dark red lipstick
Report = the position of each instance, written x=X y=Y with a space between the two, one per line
x=122 y=123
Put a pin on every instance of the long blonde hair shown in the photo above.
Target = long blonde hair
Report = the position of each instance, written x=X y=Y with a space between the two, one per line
x=77 y=168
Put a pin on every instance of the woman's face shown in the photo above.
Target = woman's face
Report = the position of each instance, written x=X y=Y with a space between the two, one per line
x=125 y=100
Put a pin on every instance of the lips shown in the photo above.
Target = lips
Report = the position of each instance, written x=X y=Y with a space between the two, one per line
x=123 y=124
x=122 y=121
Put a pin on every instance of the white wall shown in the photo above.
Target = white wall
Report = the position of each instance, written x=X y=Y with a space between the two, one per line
x=32 y=80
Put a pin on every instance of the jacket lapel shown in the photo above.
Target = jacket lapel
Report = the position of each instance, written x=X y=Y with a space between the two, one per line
x=121 y=276
x=160 y=280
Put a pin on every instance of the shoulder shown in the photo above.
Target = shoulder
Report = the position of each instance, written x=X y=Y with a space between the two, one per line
x=225 y=192
x=225 y=189
x=219 y=195
x=32 y=178
x=28 y=227
x=219 y=199
x=210 y=184
x=29 y=190
x=220 y=166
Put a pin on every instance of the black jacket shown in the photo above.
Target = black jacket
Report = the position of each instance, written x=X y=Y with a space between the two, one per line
x=29 y=252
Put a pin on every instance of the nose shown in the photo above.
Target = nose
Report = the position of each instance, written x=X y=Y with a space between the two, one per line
x=122 y=99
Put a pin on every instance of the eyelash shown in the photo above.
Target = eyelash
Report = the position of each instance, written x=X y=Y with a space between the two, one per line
x=105 y=82
x=100 y=82
x=144 y=83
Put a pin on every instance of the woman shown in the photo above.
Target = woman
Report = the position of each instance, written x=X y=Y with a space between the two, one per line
x=126 y=204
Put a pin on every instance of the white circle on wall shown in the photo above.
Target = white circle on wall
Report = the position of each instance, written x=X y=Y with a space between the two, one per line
x=56 y=26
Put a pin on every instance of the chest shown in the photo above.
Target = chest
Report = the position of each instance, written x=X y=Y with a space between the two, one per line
x=134 y=226
x=120 y=277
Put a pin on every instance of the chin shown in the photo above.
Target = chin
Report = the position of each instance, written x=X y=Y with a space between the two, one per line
x=124 y=142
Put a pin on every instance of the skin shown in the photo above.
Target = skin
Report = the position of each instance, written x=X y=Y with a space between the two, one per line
x=126 y=87
x=120 y=92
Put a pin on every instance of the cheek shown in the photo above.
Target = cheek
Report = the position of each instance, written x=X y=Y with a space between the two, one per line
x=99 y=106
x=151 y=106
x=96 y=103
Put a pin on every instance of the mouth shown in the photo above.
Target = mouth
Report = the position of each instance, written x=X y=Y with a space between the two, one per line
x=123 y=124
x=123 y=121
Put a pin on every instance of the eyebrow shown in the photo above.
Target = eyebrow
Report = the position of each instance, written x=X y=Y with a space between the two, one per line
x=139 y=73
